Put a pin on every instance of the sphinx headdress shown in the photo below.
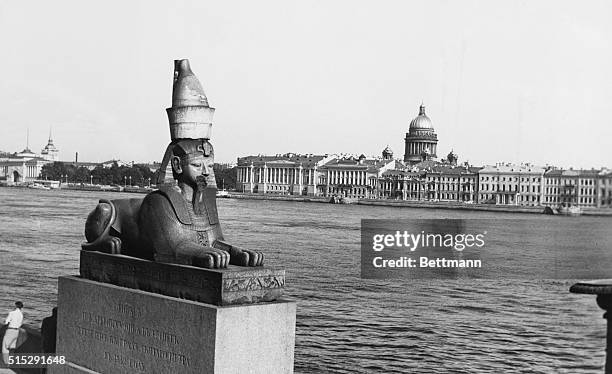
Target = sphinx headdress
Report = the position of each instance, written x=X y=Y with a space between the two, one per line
x=190 y=116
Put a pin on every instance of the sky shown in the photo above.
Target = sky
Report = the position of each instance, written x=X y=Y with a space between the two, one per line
x=502 y=81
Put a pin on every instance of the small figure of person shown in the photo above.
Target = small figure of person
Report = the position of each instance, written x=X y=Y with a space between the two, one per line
x=14 y=321
x=48 y=331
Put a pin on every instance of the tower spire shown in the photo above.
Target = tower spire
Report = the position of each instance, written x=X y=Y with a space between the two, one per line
x=28 y=138
x=422 y=109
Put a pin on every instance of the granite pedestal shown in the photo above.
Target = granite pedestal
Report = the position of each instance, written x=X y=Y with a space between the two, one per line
x=106 y=328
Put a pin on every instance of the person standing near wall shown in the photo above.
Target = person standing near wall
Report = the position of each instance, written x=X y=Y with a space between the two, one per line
x=14 y=321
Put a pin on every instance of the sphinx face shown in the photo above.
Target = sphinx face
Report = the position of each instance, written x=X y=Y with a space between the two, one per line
x=192 y=163
x=197 y=170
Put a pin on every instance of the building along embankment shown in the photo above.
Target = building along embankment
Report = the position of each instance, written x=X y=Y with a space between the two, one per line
x=587 y=211
x=418 y=204
x=453 y=205
x=248 y=196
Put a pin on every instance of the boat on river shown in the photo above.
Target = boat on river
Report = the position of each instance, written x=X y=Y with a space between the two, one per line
x=38 y=186
x=342 y=200
x=564 y=210
x=223 y=194
x=569 y=210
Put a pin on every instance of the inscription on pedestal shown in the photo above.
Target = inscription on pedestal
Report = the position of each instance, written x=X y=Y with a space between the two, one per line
x=119 y=331
x=109 y=330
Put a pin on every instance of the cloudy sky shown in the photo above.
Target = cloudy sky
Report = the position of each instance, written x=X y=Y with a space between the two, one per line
x=501 y=80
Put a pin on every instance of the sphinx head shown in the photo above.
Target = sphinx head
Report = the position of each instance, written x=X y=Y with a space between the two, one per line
x=192 y=163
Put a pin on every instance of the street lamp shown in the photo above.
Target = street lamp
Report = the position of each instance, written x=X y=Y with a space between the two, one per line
x=130 y=181
x=66 y=176
x=90 y=179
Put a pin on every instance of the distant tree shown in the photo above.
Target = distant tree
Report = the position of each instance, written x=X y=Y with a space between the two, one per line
x=101 y=175
x=155 y=176
x=53 y=171
x=132 y=175
x=145 y=172
x=225 y=177
x=121 y=174
x=81 y=175
x=57 y=171
x=116 y=174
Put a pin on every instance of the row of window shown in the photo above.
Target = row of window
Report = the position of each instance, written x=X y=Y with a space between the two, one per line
x=353 y=192
x=570 y=181
x=496 y=187
x=509 y=179
x=581 y=200
x=583 y=191
x=449 y=179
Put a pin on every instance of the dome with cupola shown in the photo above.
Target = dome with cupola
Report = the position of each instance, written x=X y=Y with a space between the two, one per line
x=421 y=121
x=421 y=140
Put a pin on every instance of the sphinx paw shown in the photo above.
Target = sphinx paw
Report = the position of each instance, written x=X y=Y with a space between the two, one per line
x=246 y=257
x=113 y=245
x=212 y=258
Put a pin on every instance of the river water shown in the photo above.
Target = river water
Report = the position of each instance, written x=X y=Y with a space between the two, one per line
x=346 y=324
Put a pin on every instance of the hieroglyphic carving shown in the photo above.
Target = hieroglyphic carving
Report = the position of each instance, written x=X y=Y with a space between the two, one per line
x=252 y=284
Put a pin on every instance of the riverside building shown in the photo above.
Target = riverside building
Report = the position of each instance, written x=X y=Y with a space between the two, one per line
x=452 y=183
x=25 y=166
x=290 y=174
x=604 y=186
x=356 y=177
x=583 y=188
x=314 y=175
x=435 y=182
x=385 y=178
x=510 y=184
x=421 y=177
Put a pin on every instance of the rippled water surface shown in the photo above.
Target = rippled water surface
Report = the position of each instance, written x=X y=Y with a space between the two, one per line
x=346 y=324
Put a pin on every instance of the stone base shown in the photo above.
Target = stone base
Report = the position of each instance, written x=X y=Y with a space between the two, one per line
x=234 y=285
x=103 y=328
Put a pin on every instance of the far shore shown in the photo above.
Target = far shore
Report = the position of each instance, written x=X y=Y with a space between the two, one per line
x=420 y=204
x=588 y=211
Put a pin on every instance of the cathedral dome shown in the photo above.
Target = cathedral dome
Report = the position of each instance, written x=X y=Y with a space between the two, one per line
x=421 y=139
x=421 y=121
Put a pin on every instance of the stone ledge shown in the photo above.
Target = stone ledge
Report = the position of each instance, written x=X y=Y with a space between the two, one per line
x=232 y=286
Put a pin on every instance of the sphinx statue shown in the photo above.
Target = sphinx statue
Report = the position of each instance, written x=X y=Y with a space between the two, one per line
x=178 y=223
